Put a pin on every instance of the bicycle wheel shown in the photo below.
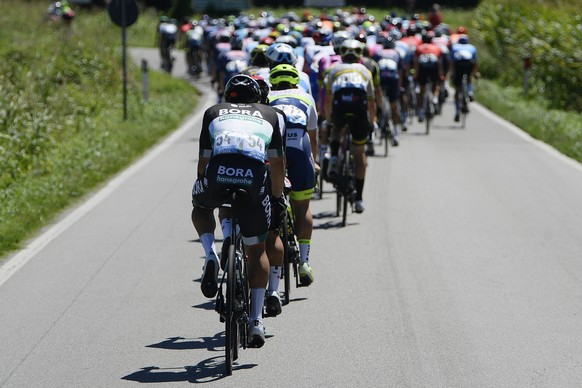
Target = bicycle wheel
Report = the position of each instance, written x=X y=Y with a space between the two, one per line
x=427 y=109
x=346 y=172
x=464 y=102
x=286 y=259
x=230 y=325
x=385 y=129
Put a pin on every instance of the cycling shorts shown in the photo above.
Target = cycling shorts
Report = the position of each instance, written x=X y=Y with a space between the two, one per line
x=300 y=164
x=230 y=171
x=459 y=69
x=350 y=107
x=169 y=38
x=428 y=72
x=391 y=88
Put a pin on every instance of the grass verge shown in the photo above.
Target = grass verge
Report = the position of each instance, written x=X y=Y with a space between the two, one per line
x=62 y=131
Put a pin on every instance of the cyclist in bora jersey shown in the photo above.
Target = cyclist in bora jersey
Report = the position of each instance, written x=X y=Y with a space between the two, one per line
x=350 y=101
x=237 y=137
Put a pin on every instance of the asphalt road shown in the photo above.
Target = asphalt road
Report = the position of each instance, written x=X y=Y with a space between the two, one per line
x=464 y=271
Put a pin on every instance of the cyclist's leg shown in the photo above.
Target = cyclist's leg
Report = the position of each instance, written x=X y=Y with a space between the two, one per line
x=275 y=253
x=302 y=175
x=359 y=128
x=393 y=94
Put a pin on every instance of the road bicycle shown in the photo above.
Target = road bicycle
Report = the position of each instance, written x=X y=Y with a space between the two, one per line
x=464 y=100
x=384 y=133
x=427 y=104
x=195 y=61
x=411 y=101
x=345 y=182
x=233 y=303
x=166 y=54
x=291 y=256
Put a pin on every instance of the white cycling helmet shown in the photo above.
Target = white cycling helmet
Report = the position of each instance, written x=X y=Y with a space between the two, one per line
x=281 y=53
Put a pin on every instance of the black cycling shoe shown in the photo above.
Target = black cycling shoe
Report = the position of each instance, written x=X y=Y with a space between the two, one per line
x=457 y=117
x=208 y=284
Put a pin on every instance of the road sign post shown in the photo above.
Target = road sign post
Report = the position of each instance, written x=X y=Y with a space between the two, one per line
x=124 y=14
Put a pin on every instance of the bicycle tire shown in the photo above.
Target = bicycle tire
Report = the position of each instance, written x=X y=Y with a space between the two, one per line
x=464 y=101
x=385 y=134
x=230 y=324
x=346 y=185
x=286 y=260
x=427 y=110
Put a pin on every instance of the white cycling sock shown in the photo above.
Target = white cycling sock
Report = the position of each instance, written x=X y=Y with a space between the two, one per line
x=274 y=277
x=304 y=247
x=226 y=225
x=257 y=300
x=207 y=240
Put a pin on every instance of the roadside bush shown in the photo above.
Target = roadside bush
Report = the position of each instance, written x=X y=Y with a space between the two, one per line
x=509 y=31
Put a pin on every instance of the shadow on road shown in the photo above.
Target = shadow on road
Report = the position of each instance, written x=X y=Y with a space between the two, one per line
x=205 y=371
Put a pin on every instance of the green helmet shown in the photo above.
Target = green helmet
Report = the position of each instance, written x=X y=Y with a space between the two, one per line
x=284 y=73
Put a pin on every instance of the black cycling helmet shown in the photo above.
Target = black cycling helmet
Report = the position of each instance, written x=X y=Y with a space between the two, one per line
x=389 y=43
x=242 y=88
x=265 y=89
x=236 y=43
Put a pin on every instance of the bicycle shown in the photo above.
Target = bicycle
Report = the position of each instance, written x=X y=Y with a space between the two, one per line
x=166 y=54
x=344 y=183
x=384 y=133
x=195 y=60
x=291 y=252
x=427 y=104
x=233 y=305
x=464 y=100
x=411 y=100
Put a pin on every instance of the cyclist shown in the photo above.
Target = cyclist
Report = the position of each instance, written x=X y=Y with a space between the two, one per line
x=282 y=53
x=464 y=59
x=390 y=65
x=301 y=139
x=237 y=137
x=428 y=65
x=372 y=66
x=350 y=102
x=259 y=65
x=166 y=36
x=194 y=42
x=406 y=55
x=229 y=63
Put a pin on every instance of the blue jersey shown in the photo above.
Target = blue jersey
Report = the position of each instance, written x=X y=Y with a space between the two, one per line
x=463 y=52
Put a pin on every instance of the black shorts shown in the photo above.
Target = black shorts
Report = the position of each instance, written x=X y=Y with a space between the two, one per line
x=461 y=68
x=350 y=107
x=428 y=72
x=233 y=172
x=391 y=88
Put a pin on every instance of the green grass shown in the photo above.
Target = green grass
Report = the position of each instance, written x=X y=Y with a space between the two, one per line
x=560 y=129
x=62 y=131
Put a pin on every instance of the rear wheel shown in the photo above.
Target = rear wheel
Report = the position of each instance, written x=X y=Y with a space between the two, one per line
x=231 y=325
x=286 y=260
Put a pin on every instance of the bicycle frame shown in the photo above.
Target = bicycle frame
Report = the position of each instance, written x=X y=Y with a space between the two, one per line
x=345 y=182
x=234 y=305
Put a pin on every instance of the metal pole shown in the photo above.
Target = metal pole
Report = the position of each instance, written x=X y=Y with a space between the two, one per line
x=123 y=39
x=144 y=79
